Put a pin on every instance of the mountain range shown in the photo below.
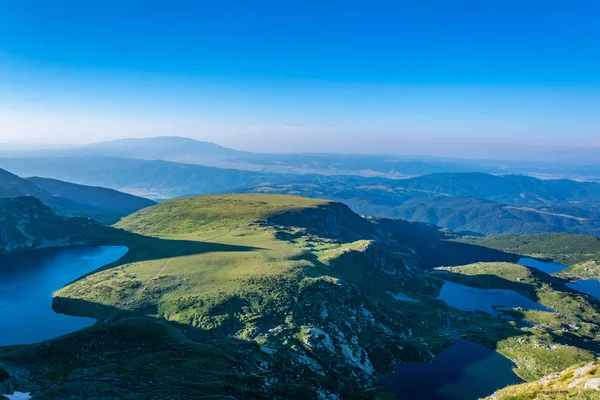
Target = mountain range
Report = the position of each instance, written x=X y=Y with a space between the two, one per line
x=468 y=202
x=465 y=202
x=68 y=199
x=189 y=151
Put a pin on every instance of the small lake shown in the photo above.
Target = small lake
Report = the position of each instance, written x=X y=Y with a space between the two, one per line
x=468 y=298
x=29 y=278
x=464 y=371
x=588 y=286
x=548 y=267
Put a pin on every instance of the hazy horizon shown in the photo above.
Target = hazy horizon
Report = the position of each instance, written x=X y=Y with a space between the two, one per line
x=467 y=80
x=506 y=152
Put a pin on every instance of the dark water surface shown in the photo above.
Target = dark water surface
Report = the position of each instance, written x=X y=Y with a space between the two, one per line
x=465 y=371
x=468 y=298
x=588 y=286
x=27 y=281
x=548 y=267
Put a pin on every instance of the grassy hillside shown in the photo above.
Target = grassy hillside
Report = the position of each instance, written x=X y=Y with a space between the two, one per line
x=580 y=382
x=262 y=296
x=192 y=214
x=304 y=279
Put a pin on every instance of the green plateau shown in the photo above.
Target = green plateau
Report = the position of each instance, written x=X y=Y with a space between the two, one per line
x=274 y=296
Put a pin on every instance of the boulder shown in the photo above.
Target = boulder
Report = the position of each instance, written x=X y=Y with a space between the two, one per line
x=593 y=384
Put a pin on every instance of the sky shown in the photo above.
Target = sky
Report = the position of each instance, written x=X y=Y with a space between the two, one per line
x=431 y=77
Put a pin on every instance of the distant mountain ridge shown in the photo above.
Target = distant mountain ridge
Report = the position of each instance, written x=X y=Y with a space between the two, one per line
x=98 y=197
x=155 y=179
x=162 y=148
x=186 y=150
x=468 y=202
x=68 y=199
x=513 y=189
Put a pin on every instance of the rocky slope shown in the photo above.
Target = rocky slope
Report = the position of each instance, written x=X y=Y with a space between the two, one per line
x=25 y=223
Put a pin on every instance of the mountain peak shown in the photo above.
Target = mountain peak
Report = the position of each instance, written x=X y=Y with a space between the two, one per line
x=172 y=148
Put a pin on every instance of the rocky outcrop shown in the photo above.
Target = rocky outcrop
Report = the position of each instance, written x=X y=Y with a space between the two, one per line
x=329 y=220
x=26 y=223
x=5 y=383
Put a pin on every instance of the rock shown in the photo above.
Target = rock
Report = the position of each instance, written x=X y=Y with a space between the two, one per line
x=577 y=382
x=325 y=395
x=583 y=370
x=549 y=378
x=593 y=384
x=5 y=382
x=268 y=350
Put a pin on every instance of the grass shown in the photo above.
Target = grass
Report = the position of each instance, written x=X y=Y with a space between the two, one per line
x=282 y=297
x=567 y=385
x=187 y=215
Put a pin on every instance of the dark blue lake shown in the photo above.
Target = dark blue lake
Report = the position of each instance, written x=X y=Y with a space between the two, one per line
x=465 y=371
x=548 y=267
x=29 y=278
x=588 y=286
x=468 y=298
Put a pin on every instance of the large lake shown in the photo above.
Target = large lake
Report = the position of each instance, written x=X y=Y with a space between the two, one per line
x=465 y=371
x=27 y=281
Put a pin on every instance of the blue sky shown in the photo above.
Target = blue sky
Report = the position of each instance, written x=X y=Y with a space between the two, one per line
x=372 y=76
